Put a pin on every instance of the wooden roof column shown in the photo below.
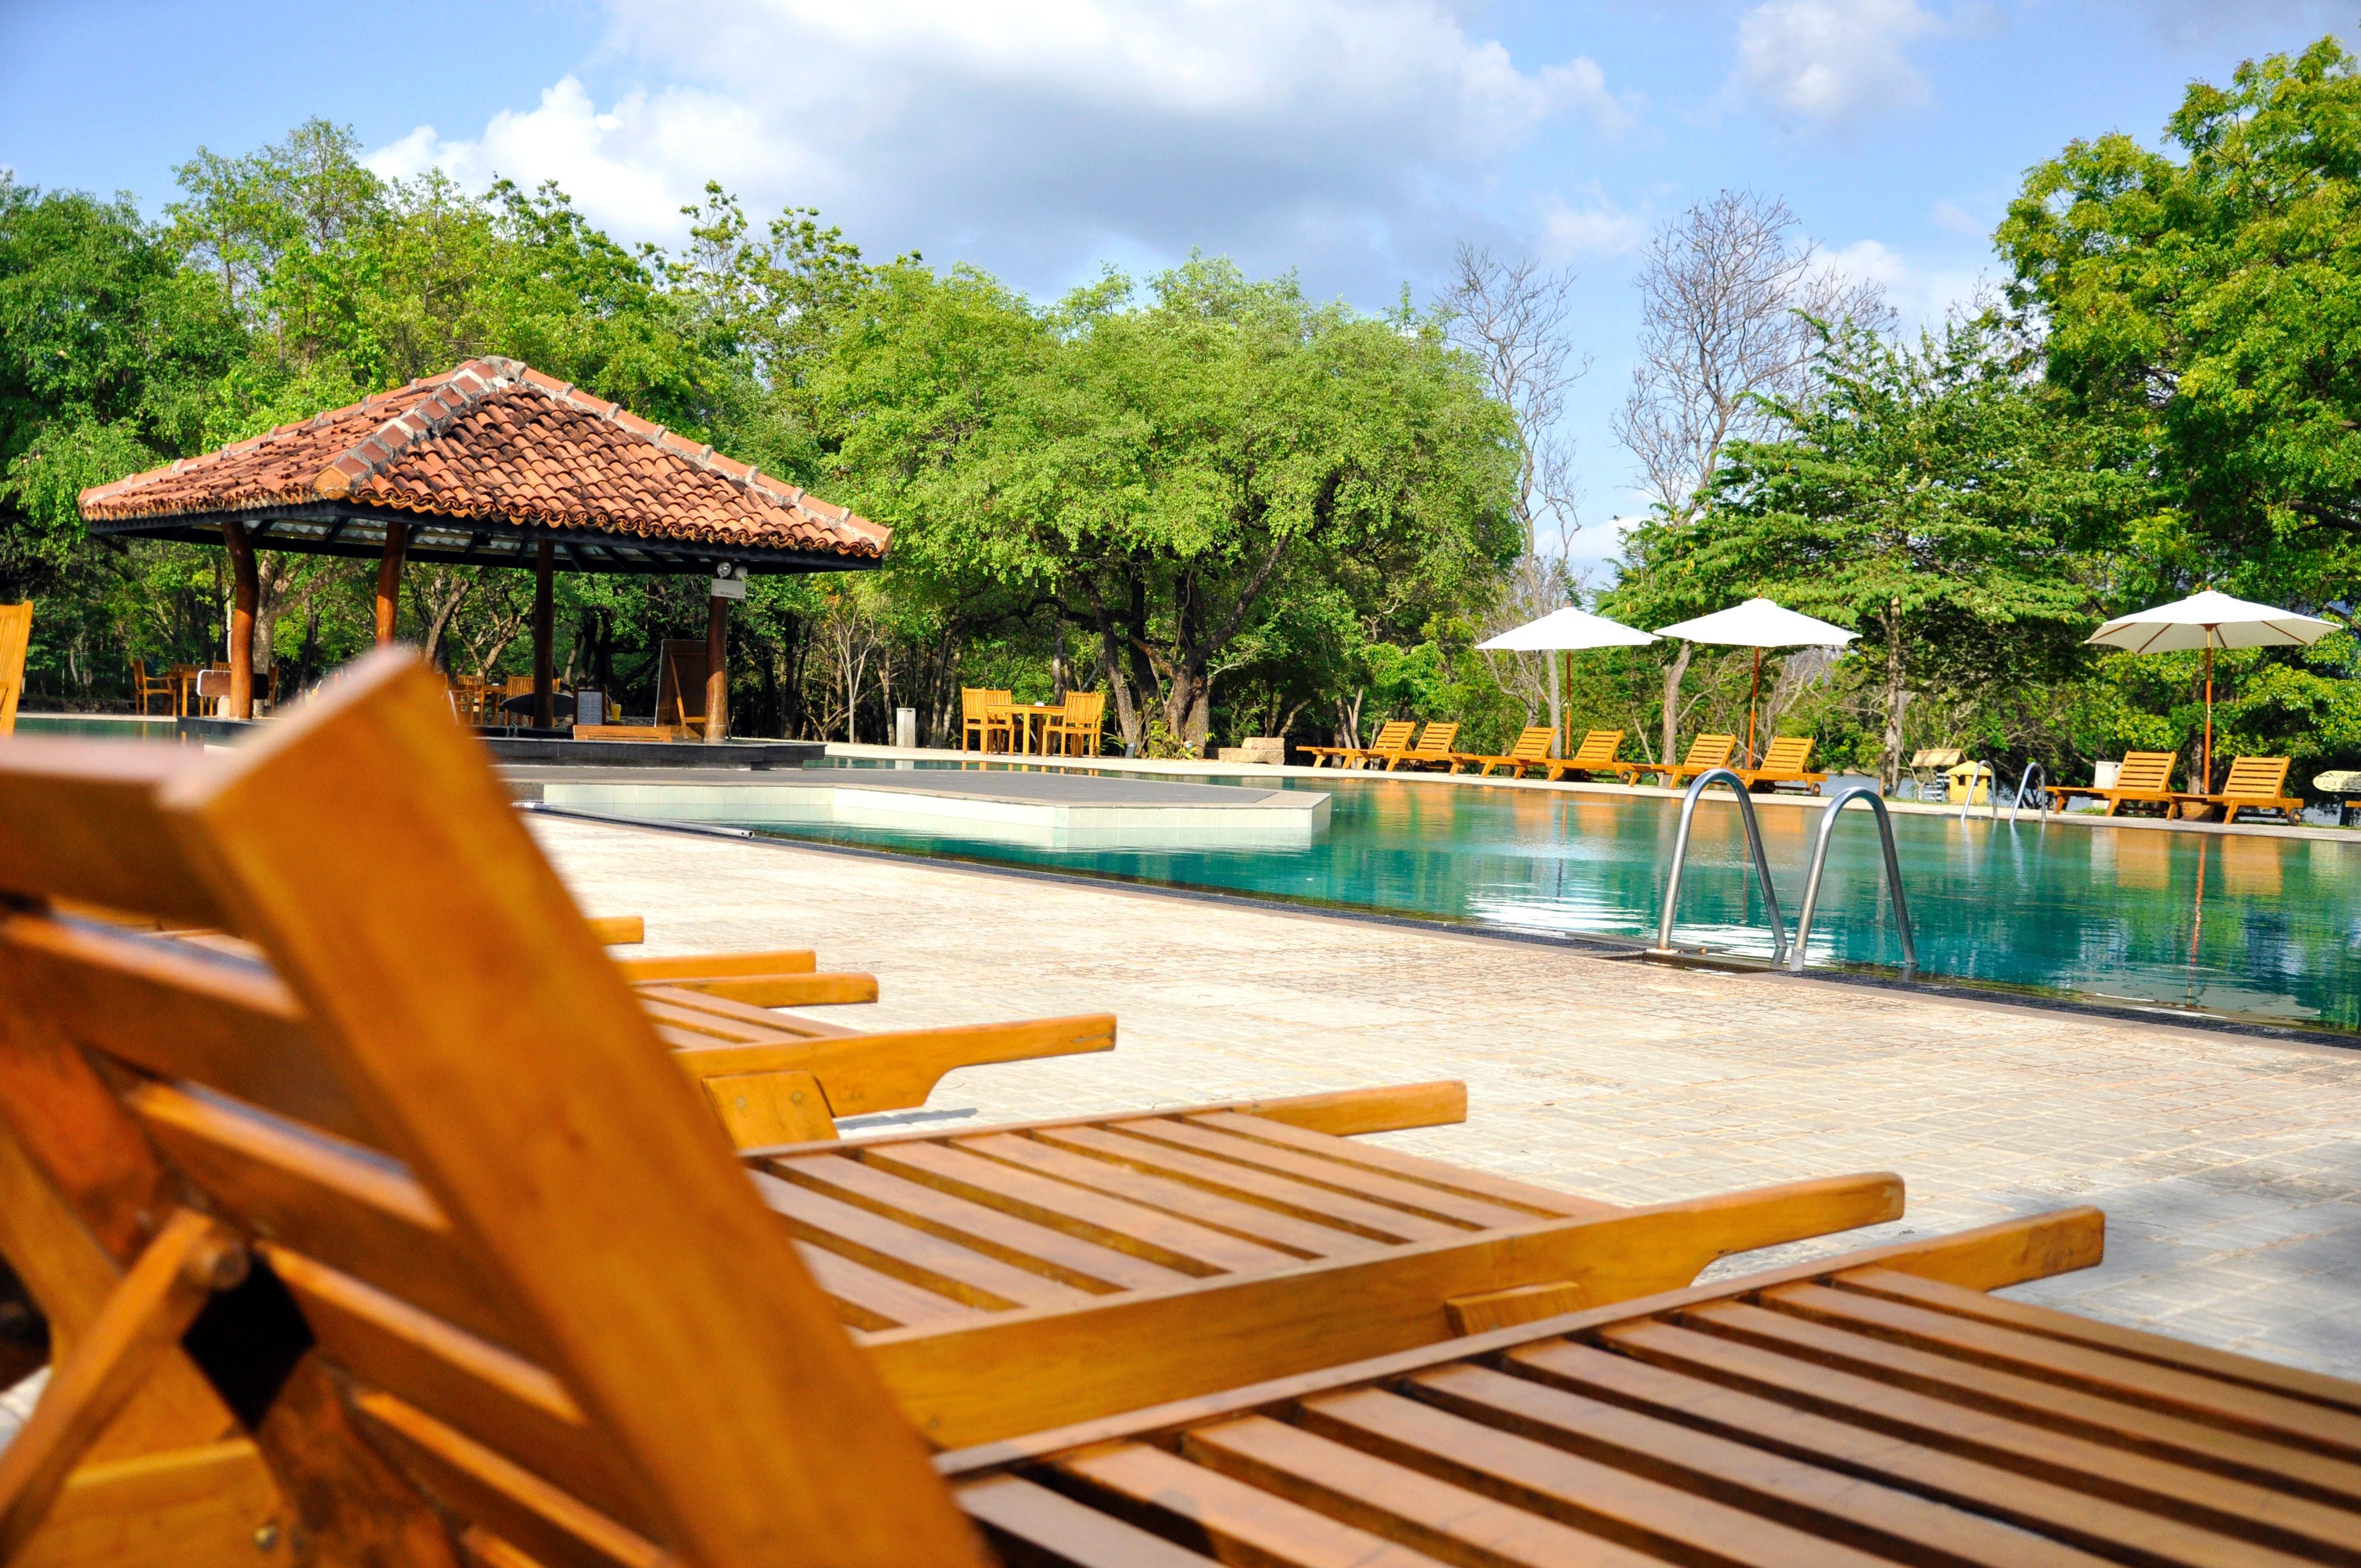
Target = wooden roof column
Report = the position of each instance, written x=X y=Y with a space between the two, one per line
x=545 y=714
x=244 y=591
x=389 y=580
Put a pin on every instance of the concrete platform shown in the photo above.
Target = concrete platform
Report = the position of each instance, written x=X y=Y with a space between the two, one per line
x=1045 y=810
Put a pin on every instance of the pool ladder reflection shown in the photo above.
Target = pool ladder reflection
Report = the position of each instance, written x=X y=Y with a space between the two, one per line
x=1781 y=953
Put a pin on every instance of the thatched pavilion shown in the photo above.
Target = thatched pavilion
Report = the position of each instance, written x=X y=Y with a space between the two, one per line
x=494 y=465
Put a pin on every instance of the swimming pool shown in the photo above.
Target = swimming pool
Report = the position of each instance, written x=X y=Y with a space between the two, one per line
x=2261 y=928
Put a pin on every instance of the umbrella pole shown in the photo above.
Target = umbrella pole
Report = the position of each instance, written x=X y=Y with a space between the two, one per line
x=1750 y=693
x=2208 y=785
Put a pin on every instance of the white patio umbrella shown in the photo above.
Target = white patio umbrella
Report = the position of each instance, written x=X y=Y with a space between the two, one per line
x=2210 y=621
x=1759 y=624
x=1565 y=630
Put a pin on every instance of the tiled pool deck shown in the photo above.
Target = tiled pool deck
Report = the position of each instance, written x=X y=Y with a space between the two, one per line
x=2230 y=1166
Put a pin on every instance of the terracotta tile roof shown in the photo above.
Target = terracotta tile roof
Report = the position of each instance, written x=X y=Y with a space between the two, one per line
x=494 y=439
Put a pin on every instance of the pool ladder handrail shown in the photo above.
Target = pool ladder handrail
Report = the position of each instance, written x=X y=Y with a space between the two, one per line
x=2031 y=768
x=1753 y=842
x=1892 y=878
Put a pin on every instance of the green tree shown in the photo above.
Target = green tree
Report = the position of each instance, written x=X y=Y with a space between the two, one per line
x=1923 y=494
x=2210 y=306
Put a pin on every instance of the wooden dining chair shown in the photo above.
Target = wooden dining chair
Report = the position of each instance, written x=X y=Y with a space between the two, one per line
x=146 y=689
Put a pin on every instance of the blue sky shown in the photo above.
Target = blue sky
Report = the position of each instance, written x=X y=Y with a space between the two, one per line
x=1356 y=141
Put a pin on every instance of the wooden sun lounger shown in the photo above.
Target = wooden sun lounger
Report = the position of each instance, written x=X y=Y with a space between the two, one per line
x=486 y=1338
x=1531 y=750
x=1785 y=762
x=1707 y=753
x=1432 y=750
x=1392 y=736
x=2146 y=779
x=467 y=1179
x=2256 y=784
x=1595 y=755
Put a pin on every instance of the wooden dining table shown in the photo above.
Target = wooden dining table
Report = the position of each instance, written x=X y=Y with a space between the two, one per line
x=1021 y=716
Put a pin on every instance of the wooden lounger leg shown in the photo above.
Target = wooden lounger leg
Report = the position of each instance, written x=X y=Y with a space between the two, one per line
x=158 y=1299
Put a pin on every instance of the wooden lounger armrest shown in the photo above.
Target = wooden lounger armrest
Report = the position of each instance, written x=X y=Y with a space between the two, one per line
x=1008 y=1372
x=618 y=930
x=898 y=1068
x=1386 y=1108
x=2009 y=1251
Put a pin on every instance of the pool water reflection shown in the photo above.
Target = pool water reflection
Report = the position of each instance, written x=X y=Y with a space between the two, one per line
x=2259 y=927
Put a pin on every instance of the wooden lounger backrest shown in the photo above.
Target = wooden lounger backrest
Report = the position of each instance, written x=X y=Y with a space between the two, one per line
x=471 y=1182
x=1789 y=754
x=680 y=681
x=16 y=637
x=1437 y=740
x=2148 y=771
x=1533 y=743
x=1598 y=748
x=2261 y=778
x=1710 y=752
x=1393 y=735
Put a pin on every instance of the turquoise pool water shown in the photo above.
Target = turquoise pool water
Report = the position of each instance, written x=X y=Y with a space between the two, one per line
x=2263 y=928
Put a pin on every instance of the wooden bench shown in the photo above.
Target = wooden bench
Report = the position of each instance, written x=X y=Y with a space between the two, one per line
x=1432 y=750
x=1595 y=755
x=1707 y=753
x=474 y=1193
x=1392 y=736
x=2144 y=779
x=2256 y=784
x=1787 y=762
x=1531 y=750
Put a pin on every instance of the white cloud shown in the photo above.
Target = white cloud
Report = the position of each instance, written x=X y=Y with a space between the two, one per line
x=1949 y=215
x=1831 y=64
x=1599 y=229
x=1044 y=135
x=1920 y=295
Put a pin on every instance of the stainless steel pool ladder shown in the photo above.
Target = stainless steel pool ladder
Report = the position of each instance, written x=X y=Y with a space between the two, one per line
x=1821 y=864
x=1753 y=842
x=2030 y=769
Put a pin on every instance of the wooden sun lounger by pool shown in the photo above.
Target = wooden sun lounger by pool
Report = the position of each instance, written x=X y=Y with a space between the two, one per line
x=1785 y=762
x=1595 y=755
x=990 y=1276
x=2256 y=784
x=1392 y=736
x=1432 y=750
x=1531 y=750
x=1707 y=753
x=2146 y=779
x=452 y=1322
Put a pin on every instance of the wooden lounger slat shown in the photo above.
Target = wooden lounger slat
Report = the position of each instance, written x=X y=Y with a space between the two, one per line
x=342 y=1205
x=874 y=1301
x=1518 y=1195
x=1756 y=1349
x=1053 y=1253
x=1251 y=1236
x=1020 y=1512
x=1641 y=1512
x=914 y=1257
x=1093 y=1216
x=1858 y=1455
x=554 y=1527
x=102 y=842
x=1240 y=1523
x=1366 y=1487
x=2096 y=1384
x=1434 y=1202
x=1823 y=1501
x=1259 y=1189
x=473 y=1386
x=2228 y=1365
